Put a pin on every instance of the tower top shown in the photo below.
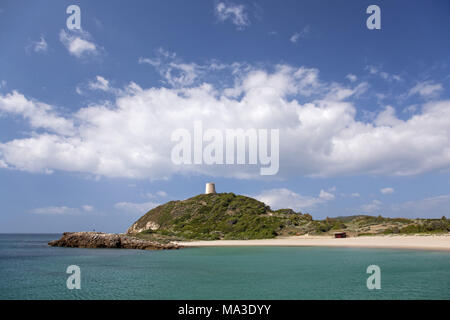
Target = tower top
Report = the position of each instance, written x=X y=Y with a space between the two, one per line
x=210 y=188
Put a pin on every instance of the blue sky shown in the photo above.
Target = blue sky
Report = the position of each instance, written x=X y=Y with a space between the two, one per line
x=86 y=116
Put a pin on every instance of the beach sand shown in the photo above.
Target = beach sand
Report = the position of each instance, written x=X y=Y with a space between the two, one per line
x=424 y=242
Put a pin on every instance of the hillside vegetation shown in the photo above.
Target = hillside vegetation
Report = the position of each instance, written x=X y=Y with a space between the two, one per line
x=230 y=216
x=217 y=216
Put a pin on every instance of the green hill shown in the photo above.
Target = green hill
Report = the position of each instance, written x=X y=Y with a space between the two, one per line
x=217 y=216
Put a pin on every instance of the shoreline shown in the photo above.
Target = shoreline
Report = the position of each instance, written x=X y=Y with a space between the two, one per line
x=416 y=242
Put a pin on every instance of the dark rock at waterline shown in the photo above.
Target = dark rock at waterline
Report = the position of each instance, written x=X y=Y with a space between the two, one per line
x=107 y=240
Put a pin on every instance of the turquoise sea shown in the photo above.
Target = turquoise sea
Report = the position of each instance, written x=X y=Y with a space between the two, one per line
x=29 y=269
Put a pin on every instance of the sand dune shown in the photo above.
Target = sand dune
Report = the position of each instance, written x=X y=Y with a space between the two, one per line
x=425 y=242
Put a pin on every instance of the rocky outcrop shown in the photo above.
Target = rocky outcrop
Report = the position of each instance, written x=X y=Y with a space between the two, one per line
x=149 y=226
x=107 y=240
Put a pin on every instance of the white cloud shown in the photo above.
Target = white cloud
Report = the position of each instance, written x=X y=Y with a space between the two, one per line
x=352 y=77
x=285 y=198
x=78 y=43
x=300 y=35
x=338 y=92
x=426 y=89
x=55 y=210
x=39 y=46
x=62 y=210
x=3 y=165
x=355 y=195
x=233 y=12
x=131 y=136
x=78 y=90
x=136 y=208
x=39 y=115
x=326 y=195
x=387 y=117
x=159 y=193
x=373 y=70
x=387 y=190
x=176 y=72
x=88 y=208
x=180 y=74
x=295 y=37
x=100 y=84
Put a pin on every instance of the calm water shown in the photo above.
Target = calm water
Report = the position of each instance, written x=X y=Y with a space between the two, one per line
x=32 y=270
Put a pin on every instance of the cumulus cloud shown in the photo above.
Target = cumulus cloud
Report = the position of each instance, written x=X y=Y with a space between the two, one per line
x=387 y=190
x=387 y=117
x=78 y=43
x=320 y=131
x=234 y=12
x=3 y=165
x=285 y=198
x=38 y=114
x=426 y=89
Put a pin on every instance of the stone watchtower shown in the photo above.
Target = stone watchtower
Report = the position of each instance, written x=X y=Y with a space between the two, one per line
x=210 y=188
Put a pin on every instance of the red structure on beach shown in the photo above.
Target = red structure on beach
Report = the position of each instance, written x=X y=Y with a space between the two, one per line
x=340 y=235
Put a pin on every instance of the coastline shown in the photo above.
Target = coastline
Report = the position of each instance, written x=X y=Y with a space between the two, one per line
x=417 y=242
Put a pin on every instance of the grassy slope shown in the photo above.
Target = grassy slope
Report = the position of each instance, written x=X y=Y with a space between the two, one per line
x=220 y=216
x=230 y=216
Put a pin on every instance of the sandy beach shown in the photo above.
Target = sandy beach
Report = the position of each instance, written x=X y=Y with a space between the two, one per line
x=423 y=242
